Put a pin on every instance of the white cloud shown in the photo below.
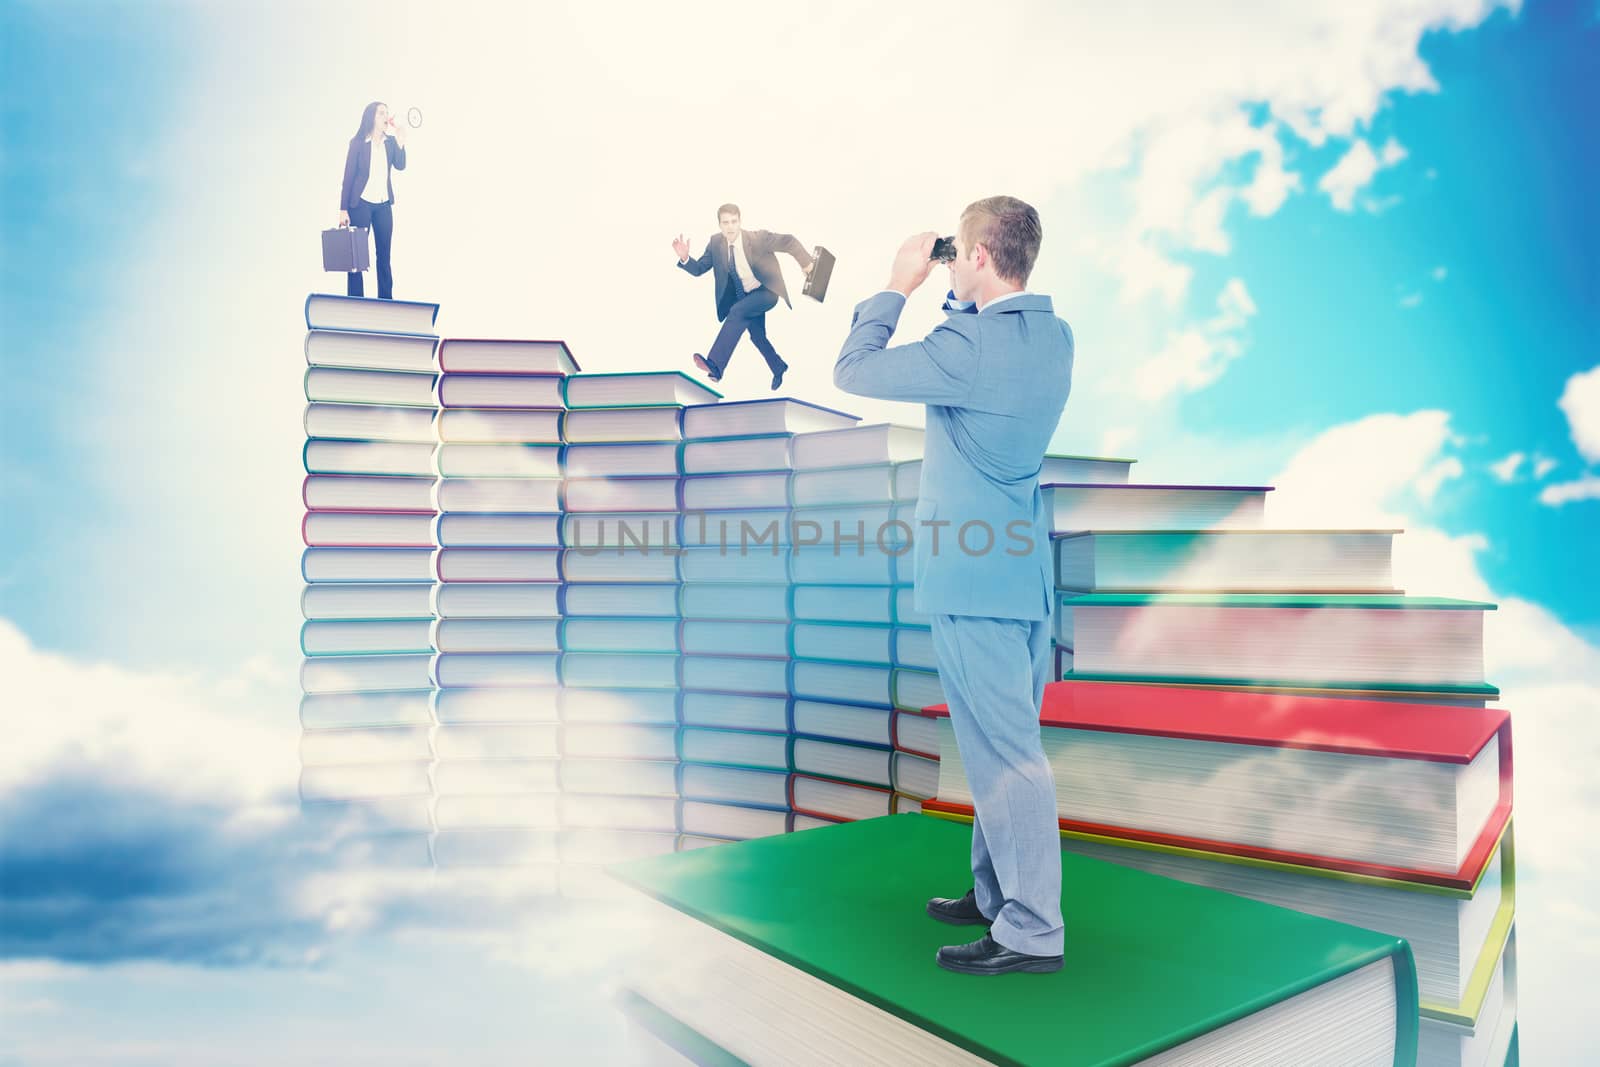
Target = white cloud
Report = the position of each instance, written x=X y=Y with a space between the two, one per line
x=1116 y=440
x=1429 y=481
x=1506 y=469
x=1543 y=465
x=1356 y=169
x=1411 y=300
x=1580 y=402
x=1196 y=357
x=1439 y=274
x=1359 y=474
x=1584 y=488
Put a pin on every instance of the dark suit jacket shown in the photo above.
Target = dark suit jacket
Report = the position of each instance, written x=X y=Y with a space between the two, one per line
x=761 y=248
x=358 y=166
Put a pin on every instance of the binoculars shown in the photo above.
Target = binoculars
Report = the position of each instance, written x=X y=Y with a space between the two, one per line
x=944 y=250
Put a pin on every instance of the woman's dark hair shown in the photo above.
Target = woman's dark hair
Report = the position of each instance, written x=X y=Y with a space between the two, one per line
x=366 y=121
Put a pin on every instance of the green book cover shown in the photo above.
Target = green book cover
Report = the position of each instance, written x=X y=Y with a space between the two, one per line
x=1150 y=962
x=1372 y=601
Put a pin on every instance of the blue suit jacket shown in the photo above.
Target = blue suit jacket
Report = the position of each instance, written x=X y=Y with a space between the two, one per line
x=994 y=384
x=761 y=248
x=358 y=165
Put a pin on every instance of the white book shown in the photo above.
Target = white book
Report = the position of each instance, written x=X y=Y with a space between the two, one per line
x=621 y=494
x=846 y=564
x=372 y=351
x=497 y=635
x=629 y=457
x=735 y=785
x=650 y=707
x=354 y=492
x=736 y=454
x=732 y=822
x=1053 y=468
x=606 y=670
x=1487 y=1043
x=353 y=529
x=532 y=811
x=508 y=704
x=331 y=311
x=620 y=777
x=619 y=565
x=368 y=600
x=877 y=443
x=914 y=776
x=500 y=494
x=742 y=491
x=906 y=612
x=589 y=811
x=1377 y=640
x=345 y=637
x=341 y=385
x=847 y=642
x=497 y=741
x=1174 y=561
x=497 y=600
x=736 y=674
x=846 y=683
x=830 y=759
x=1071 y=508
x=601 y=847
x=632 y=531
x=744 y=418
x=371 y=422
x=620 y=599
x=737 y=748
x=840 y=800
x=460 y=459
x=843 y=722
x=598 y=740
x=500 y=776
x=467 y=530
x=511 y=427
x=325 y=456
x=711 y=637
x=352 y=674
x=735 y=711
x=841 y=603
x=619 y=635
x=736 y=531
x=500 y=391
x=712 y=564
x=495 y=669
x=913 y=647
x=364 y=781
x=709 y=600
x=917 y=689
x=623 y=424
x=499 y=565
x=365 y=744
x=386 y=565
x=493 y=356
x=405 y=707
x=637 y=389
x=843 y=485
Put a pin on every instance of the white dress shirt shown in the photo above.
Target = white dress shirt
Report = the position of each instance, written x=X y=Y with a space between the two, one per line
x=741 y=263
x=377 y=190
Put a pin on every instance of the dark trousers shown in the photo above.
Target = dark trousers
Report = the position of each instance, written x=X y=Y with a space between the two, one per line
x=749 y=312
x=380 y=217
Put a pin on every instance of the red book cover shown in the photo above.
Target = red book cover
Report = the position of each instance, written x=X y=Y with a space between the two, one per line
x=1380 y=729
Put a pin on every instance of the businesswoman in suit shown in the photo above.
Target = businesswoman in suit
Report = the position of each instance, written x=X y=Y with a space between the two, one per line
x=367 y=196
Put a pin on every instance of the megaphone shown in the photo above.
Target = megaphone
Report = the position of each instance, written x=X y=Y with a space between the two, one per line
x=413 y=117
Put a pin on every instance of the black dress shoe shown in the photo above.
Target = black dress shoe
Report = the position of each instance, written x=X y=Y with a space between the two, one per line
x=988 y=956
x=711 y=372
x=777 y=379
x=958 y=911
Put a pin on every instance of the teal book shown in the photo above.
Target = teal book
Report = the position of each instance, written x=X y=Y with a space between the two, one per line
x=818 y=941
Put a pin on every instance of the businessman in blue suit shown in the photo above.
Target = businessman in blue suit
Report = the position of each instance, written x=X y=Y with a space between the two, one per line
x=994 y=376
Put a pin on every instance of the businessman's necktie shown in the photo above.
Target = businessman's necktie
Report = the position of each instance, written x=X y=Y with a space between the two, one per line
x=735 y=286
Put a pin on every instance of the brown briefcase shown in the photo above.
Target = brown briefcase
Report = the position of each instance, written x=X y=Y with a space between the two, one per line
x=345 y=248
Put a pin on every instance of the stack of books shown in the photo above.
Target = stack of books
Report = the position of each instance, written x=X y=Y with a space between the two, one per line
x=850 y=541
x=620 y=599
x=814 y=948
x=499 y=536
x=1384 y=814
x=736 y=740
x=370 y=498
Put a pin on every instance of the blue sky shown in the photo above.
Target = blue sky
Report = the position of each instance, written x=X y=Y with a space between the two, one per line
x=1373 y=347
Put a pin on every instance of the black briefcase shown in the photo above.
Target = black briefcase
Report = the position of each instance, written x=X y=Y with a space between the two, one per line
x=345 y=249
x=817 y=281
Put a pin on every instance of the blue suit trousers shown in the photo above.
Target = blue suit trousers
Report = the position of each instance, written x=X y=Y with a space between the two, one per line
x=994 y=673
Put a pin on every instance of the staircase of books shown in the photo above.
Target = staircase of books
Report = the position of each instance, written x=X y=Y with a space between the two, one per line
x=558 y=621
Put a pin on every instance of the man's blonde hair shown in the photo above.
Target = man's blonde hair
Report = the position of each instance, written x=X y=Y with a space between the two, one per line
x=1009 y=229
